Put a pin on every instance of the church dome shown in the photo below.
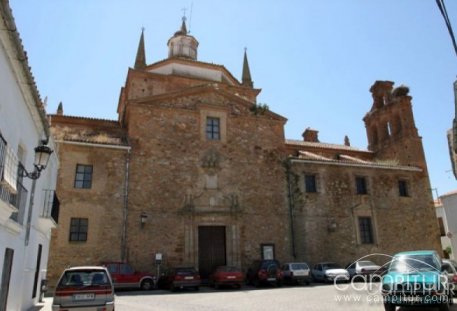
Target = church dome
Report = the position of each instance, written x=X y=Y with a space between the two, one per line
x=182 y=44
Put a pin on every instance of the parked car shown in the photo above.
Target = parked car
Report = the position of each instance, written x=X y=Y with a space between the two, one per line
x=363 y=269
x=296 y=273
x=226 y=275
x=84 y=288
x=329 y=272
x=179 y=278
x=267 y=271
x=416 y=278
x=124 y=276
x=450 y=266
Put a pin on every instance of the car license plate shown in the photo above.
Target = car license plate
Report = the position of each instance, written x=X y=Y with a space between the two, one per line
x=412 y=299
x=84 y=296
x=299 y=273
x=188 y=278
x=231 y=277
x=271 y=279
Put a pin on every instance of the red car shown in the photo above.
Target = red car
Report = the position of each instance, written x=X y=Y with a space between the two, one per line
x=180 y=278
x=226 y=275
x=124 y=276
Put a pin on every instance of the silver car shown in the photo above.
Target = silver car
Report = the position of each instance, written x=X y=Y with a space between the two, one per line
x=87 y=288
x=296 y=273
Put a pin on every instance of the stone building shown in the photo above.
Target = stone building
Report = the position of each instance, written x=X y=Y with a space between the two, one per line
x=195 y=170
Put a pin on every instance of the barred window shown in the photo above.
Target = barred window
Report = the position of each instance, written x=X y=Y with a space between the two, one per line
x=366 y=230
x=78 y=229
x=83 y=176
x=361 y=185
x=213 y=128
x=310 y=183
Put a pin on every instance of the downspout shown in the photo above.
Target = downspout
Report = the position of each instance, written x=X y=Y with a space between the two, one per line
x=291 y=206
x=125 y=210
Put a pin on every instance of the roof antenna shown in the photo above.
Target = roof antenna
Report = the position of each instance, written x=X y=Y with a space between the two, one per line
x=190 y=15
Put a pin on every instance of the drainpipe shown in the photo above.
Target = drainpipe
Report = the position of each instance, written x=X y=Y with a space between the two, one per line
x=125 y=210
x=291 y=206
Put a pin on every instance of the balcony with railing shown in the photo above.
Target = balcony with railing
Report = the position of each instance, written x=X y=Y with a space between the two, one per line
x=13 y=195
x=49 y=213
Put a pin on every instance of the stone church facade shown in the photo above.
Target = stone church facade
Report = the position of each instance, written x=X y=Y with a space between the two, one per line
x=198 y=172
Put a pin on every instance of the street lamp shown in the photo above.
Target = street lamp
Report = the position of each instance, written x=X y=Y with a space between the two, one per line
x=42 y=155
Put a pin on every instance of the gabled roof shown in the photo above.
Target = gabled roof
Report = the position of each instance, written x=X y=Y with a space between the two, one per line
x=193 y=63
x=206 y=88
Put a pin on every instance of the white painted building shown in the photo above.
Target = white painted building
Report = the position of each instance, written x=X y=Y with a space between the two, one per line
x=28 y=207
x=446 y=211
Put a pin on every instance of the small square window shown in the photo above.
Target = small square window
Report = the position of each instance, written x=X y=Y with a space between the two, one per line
x=213 y=128
x=366 y=230
x=361 y=184
x=83 y=176
x=403 y=188
x=78 y=229
x=310 y=183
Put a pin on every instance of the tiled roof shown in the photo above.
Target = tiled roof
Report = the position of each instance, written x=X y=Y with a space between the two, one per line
x=323 y=145
x=351 y=161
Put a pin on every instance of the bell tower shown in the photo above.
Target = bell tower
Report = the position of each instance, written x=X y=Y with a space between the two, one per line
x=391 y=130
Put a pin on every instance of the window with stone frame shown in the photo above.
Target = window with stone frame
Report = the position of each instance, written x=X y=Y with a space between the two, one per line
x=310 y=183
x=83 y=176
x=366 y=230
x=403 y=188
x=213 y=128
x=78 y=229
x=361 y=185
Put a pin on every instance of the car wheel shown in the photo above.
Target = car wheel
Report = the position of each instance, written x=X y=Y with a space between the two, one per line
x=256 y=283
x=147 y=285
x=197 y=288
x=389 y=307
x=216 y=286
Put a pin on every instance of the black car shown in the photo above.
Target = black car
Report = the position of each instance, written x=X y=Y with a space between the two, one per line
x=265 y=271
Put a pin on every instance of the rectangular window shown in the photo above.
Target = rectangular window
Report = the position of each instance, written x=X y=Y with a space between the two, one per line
x=83 y=176
x=310 y=183
x=213 y=128
x=361 y=184
x=78 y=229
x=366 y=230
x=403 y=188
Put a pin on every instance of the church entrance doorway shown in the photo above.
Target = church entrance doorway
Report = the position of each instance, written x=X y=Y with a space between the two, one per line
x=211 y=249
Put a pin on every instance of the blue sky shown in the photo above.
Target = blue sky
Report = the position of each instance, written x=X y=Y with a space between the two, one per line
x=314 y=60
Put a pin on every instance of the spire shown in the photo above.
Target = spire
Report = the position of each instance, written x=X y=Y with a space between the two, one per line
x=140 y=61
x=183 y=26
x=246 y=78
x=60 y=109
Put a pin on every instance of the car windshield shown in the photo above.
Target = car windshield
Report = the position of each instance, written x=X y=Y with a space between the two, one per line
x=227 y=269
x=185 y=271
x=75 y=278
x=366 y=263
x=299 y=266
x=269 y=264
x=331 y=265
x=414 y=263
